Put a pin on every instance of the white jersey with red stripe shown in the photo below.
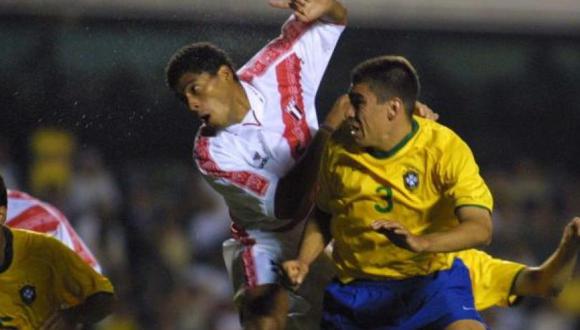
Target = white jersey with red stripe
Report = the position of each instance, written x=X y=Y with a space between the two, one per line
x=245 y=161
x=27 y=212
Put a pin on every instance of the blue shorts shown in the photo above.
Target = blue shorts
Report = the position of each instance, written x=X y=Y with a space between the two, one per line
x=423 y=302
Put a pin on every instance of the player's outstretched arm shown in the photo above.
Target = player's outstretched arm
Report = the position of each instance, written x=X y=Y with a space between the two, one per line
x=549 y=279
x=95 y=308
x=310 y=10
x=316 y=237
x=295 y=187
x=474 y=230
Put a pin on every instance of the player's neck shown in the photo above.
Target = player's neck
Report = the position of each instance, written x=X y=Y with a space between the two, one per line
x=397 y=137
x=241 y=103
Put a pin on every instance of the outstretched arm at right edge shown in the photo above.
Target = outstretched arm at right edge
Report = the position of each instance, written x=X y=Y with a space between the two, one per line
x=549 y=279
x=316 y=237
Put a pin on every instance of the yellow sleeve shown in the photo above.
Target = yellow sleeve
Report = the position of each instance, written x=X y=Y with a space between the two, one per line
x=74 y=279
x=491 y=279
x=459 y=176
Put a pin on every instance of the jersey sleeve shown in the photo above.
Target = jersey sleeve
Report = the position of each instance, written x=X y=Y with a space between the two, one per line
x=492 y=279
x=315 y=49
x=75 y=280
x=312 y=43
x=459 y=176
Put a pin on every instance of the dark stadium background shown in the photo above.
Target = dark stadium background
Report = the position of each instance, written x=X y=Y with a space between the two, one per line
x=513 y=94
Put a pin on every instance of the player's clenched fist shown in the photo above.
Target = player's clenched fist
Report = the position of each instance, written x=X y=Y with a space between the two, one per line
x=311 y=10
x=295 y=271
x=399 y=235
x=341 y=110
x=572 y=232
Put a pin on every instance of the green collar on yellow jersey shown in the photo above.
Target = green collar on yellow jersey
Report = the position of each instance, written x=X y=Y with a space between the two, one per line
x=386 y=154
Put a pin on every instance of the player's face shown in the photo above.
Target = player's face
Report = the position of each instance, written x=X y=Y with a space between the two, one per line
x=369 y=121
x=208 y=96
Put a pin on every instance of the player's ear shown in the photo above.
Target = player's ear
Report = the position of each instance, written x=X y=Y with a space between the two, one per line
x=226 y=73
x=395 y=107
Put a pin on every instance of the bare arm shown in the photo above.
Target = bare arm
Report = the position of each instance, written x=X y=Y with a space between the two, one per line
x=473 y=230
x=294 y=188
x=95 y=308
x=316 y=237
x=548 y=279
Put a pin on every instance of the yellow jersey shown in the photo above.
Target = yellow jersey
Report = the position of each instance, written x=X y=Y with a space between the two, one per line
x=40 y=276
x=420 y=183
x=491 y=279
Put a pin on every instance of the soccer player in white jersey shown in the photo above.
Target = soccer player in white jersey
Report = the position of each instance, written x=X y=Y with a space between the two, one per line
x=259 y=143
x=27 y=212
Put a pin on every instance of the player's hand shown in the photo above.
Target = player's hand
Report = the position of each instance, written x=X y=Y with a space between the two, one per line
x=422 y=110
x=295 y=271
x=399 y=235
x=305 y=10
x=572 y=232
x=339 y=113
x=58 y=321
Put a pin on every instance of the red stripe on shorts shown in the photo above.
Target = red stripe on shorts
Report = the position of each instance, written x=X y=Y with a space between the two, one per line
x=240 y=234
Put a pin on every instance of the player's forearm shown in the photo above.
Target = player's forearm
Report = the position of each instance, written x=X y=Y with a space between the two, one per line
x=468 y=234
x=337 y=14
x=548 y=279
x=92 y=310
x=296 y=186
x=316 y=237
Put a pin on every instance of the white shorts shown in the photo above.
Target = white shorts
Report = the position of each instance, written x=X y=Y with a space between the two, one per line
x=249 y=259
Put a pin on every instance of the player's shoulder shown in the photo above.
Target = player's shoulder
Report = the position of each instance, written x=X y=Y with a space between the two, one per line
x=32 y=239
x=434 y=129
x=15 y=194
x=437 y=136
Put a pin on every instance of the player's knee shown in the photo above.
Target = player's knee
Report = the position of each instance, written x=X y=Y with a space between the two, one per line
x=265 y=300
x=465 y=325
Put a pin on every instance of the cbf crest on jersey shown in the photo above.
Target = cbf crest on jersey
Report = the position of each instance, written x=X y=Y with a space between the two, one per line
x=411 y=179
x=28 y=294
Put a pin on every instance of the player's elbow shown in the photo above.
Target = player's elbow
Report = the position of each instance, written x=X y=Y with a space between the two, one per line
x=477 y=224
x=96 y=307
x=484 y=232
x=486 y=236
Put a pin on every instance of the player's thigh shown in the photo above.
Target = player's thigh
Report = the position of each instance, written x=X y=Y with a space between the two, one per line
x=466 y=325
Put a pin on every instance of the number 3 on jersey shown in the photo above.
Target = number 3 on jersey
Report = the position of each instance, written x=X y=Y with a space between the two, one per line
x=387 y=196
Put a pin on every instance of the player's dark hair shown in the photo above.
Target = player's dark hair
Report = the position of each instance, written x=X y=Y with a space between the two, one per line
x=3 y=193
x=196 y=58
x=389 y=76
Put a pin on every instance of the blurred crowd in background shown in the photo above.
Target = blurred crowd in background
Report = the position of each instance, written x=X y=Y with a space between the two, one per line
x=88 y=125
x=157 y=230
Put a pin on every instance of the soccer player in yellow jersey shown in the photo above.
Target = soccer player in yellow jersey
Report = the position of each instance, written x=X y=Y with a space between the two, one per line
x=44 y=284
x=397 y=196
